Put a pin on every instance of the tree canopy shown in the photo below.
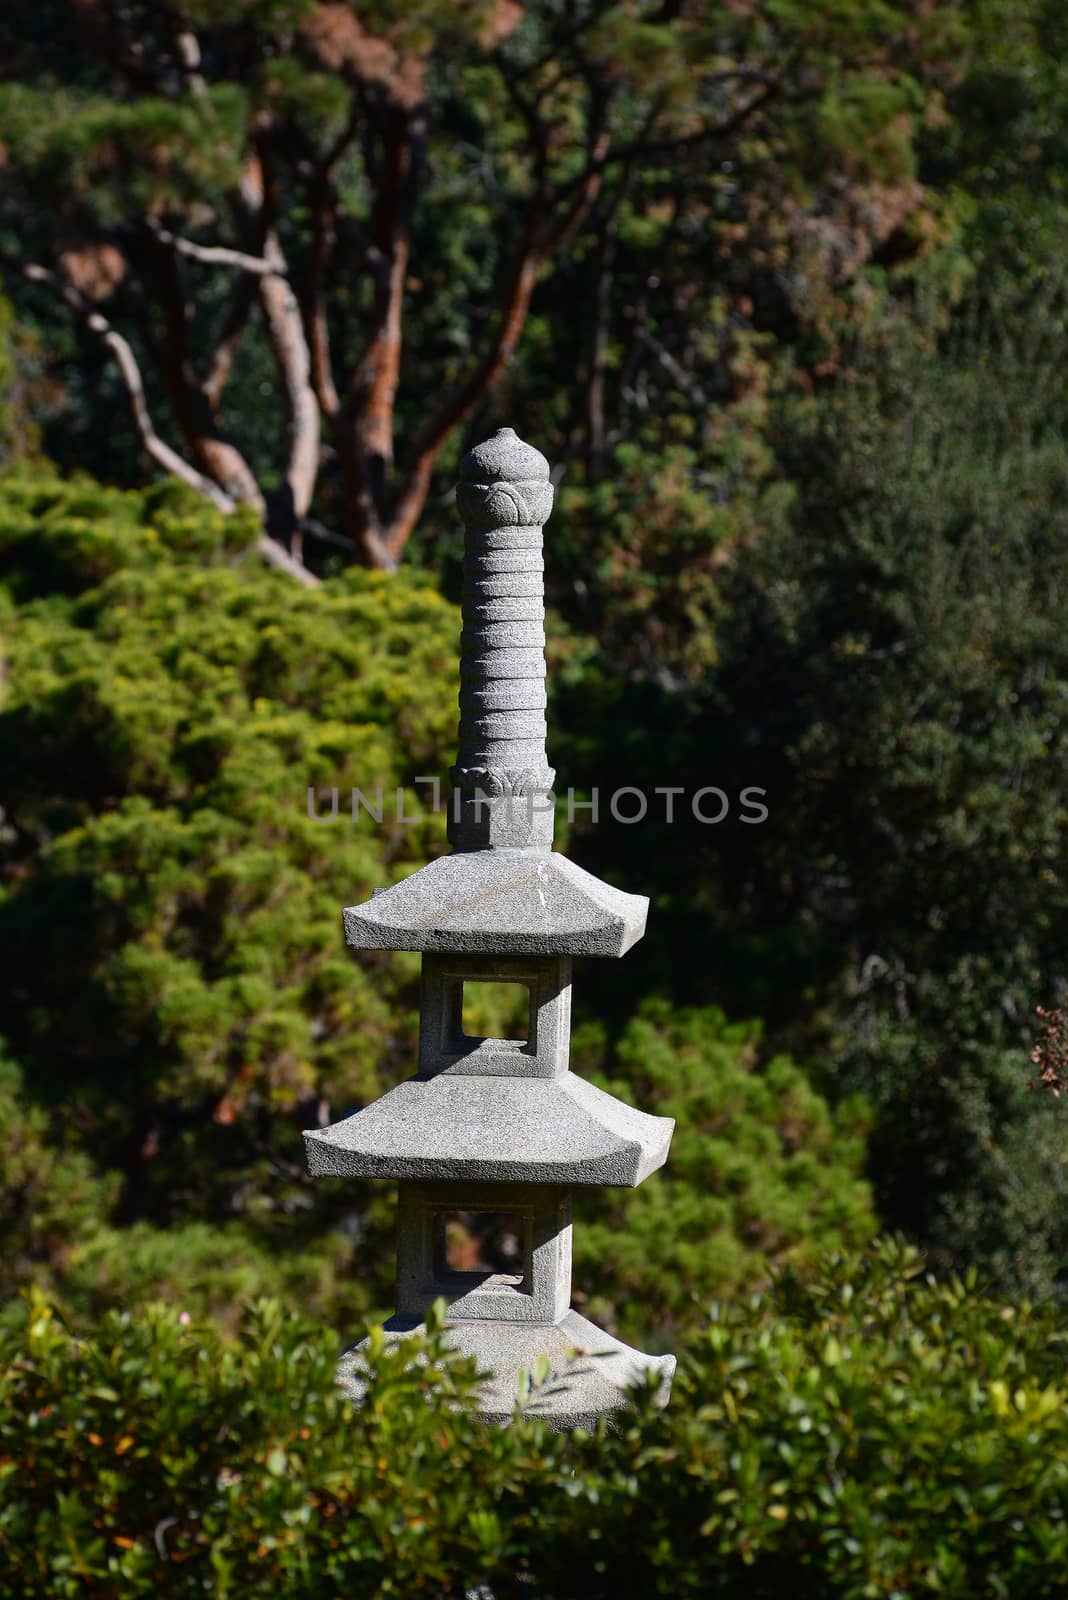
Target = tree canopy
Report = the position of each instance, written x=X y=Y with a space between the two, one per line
x=354 y=211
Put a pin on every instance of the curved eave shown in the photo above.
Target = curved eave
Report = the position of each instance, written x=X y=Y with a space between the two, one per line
x=494 y=1130
x=518 y=902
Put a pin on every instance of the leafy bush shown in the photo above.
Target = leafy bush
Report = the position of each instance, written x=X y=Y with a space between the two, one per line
x=866 y=1432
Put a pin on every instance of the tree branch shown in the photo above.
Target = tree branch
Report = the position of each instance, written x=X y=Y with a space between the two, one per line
x=156 y=448
x=465 y=397
x=218 y=255
x=352 y=126
x=213 y=452
x=322 y=205
x=187 y=47
x=228 y=339
x=530 y=111
x=318 y=530
x=566 y=209
x=286 y=331
x=599 y=332
x=363 y=430
x=275 y=556
x=249 y=216
x=539 y=239
x=130 y=373
x=689 y=386
x=644 y=147
x=317 y=330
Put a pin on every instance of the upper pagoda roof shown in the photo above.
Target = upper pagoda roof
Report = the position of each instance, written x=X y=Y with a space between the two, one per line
x=522 y=902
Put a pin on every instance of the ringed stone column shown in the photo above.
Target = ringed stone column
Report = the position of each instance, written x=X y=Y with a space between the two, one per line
x=491 y=1127
x=504 y=497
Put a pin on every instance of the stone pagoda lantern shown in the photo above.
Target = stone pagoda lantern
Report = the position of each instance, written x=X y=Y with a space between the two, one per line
x=501 y=1126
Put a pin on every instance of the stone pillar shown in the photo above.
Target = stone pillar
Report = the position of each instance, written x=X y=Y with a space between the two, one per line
x=501 y=1126
x=501 y=777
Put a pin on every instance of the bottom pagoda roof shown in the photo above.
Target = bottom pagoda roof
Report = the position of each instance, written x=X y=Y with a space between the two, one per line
x=494 y=1130
x=591 y=1374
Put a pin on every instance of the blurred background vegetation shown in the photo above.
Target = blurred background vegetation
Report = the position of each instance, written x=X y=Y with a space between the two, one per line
x=779 y=290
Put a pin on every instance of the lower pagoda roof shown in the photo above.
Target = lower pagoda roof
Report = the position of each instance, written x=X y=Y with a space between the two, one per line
x=494 y=1130
x=527 y=902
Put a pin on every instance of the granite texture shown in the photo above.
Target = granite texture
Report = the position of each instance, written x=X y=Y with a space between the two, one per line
x=504 y=497
x=494 y=1130
x=500 y=901
x=590 y=1371
x=444 y=1047
x=540 y=1288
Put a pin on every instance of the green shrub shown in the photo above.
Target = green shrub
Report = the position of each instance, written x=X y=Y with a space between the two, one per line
x=864 y=1433
x=177 y=991
x=761 y=1172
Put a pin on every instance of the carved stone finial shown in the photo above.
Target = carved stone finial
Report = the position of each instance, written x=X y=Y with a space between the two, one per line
x=502 y=775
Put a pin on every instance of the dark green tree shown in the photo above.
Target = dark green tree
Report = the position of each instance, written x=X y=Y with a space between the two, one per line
x=893 y=672
x=177 y=991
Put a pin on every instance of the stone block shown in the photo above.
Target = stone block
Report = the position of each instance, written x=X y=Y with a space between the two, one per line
x=591 y=1374
x=539 y=1291
x=443 y=1045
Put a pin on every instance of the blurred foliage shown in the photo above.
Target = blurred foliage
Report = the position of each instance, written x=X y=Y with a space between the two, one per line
x=761 y=1172
x=178 y=995
x=891 y=671
x=860 y=1431
x=746 y=163
x=910 y=722
x=177 y=989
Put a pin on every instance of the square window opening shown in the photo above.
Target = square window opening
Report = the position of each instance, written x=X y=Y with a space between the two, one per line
x=497 y=1009
x=476 y=1247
